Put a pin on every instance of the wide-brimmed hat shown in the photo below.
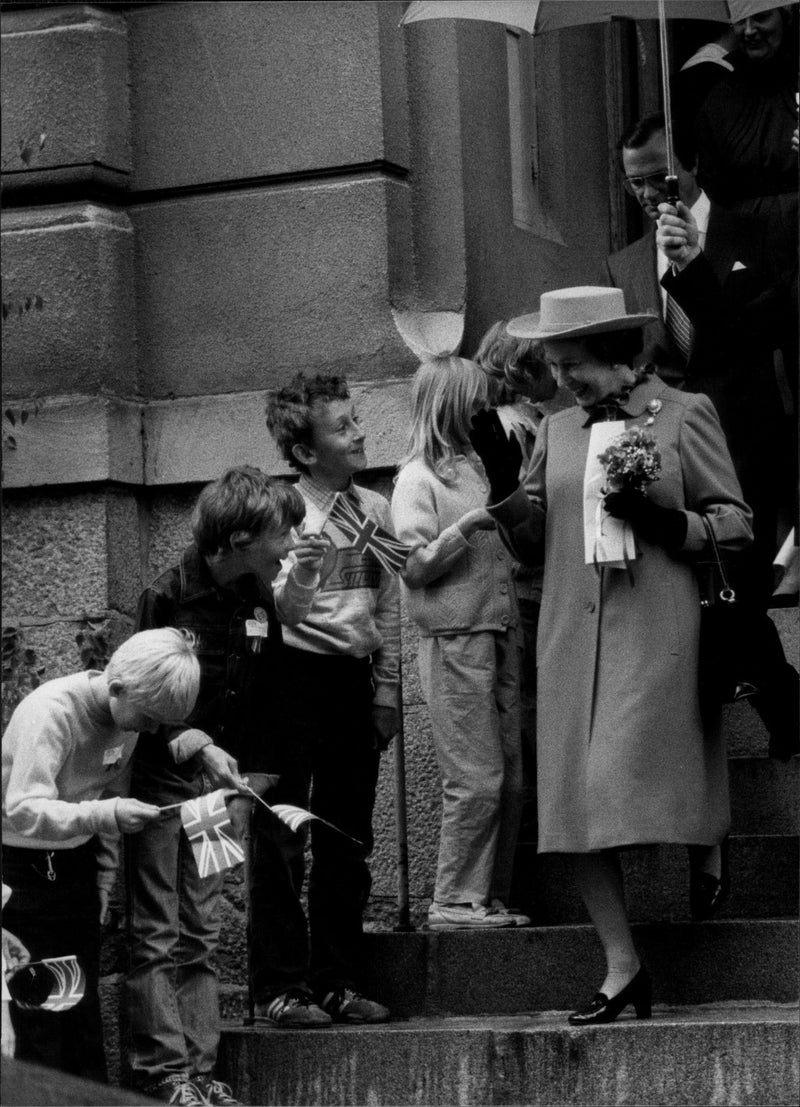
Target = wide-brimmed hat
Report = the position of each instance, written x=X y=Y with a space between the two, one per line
x=573 y=312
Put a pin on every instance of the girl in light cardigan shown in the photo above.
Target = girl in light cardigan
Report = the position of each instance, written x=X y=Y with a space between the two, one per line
x=459 y=591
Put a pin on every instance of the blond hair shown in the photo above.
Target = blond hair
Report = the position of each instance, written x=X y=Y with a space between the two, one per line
x=445 y=393
x=159 y=671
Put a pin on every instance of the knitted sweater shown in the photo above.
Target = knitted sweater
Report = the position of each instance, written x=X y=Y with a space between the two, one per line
x=459 y=586
x=65 y=762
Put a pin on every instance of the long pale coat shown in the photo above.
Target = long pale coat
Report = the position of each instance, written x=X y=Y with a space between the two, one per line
x=622 y=757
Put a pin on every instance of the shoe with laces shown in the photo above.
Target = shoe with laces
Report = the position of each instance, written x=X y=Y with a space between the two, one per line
x=347 y=1005
x=293 y=1009
x=215 y=1092
x=177 y=1090
x=465 y=916
x=510 y=912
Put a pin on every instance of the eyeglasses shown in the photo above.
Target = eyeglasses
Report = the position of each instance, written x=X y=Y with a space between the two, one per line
x=638 y=184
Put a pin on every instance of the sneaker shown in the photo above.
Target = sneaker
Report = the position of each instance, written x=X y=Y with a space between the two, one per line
x=510 y=912
x=215 y=1092
x=294 y=1008
x=465 y=916
x=177 y=1090
x=347 y=1005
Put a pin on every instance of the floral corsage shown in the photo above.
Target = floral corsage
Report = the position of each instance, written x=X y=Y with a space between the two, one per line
x=631 y=461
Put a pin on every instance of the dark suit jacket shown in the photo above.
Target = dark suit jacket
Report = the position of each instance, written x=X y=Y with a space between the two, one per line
x=740 y=317
x=754 y=300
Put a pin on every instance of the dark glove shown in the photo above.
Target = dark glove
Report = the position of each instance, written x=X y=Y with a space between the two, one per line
x=663 y=526
x=501 y=456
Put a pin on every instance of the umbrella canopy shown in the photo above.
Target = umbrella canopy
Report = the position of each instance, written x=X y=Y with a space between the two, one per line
x=538 y=16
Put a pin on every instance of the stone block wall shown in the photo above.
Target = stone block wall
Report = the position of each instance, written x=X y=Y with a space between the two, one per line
x=199 y=200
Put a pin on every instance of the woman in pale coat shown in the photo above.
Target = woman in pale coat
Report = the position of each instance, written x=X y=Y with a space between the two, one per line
x=622 y=755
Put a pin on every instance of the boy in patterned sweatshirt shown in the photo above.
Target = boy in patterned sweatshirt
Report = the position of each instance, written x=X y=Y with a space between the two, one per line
x=342 y=664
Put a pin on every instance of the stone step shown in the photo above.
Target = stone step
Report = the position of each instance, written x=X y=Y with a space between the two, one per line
x=764 y=795
x=554 y=968
x=725 y=1054
x=763 y=871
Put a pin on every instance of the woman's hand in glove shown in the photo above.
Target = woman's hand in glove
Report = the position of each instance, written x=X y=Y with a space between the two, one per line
x=664 y=526
x=501 y=456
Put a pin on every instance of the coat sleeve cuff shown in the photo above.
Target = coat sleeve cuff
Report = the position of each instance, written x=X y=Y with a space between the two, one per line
x=512 y=510
x=696 y=536
x=187 y=744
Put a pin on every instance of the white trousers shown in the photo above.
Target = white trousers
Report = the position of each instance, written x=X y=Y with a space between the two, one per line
x=471 y=685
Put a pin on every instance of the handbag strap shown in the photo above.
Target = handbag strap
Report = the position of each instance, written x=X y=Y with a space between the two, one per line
x=726 y=594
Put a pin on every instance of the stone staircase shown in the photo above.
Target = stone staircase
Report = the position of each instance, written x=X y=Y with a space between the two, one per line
x=479 y=1017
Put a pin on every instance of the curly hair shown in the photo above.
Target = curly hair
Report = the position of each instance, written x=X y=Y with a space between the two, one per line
x=289 y=411
x=514 y=366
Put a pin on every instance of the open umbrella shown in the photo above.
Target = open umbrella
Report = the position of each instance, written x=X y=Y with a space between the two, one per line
x=539 y=16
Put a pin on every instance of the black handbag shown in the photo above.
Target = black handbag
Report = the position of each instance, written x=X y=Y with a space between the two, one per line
x=722 y=636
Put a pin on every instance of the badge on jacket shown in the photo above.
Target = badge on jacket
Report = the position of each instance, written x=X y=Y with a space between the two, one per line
x=257 y=629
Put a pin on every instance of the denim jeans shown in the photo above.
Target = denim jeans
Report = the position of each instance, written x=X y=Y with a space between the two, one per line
x=54 y=916
x=171 y=989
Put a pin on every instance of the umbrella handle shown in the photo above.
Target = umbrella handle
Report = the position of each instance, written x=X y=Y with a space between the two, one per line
x=673 y=193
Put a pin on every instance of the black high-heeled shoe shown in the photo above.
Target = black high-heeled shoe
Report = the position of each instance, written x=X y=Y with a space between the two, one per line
x=638 y=991
x=706 y=891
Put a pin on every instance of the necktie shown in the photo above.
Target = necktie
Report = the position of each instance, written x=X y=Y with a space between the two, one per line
x=679 y=327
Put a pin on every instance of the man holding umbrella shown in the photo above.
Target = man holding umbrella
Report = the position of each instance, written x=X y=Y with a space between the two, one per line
x=720 y=318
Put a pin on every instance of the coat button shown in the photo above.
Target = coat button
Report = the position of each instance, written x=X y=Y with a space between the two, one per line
x=591 y=606
x=504 y=620
x=503 y=589
x=500 y=555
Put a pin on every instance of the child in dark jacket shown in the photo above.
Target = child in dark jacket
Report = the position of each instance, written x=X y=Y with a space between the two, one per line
x=221 y=590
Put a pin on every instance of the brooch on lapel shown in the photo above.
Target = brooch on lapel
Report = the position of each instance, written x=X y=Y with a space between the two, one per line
x=653 y=407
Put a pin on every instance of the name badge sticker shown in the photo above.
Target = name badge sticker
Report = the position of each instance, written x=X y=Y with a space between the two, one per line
x=112 y=756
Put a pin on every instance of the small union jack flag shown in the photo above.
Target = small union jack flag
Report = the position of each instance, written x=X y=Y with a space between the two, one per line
x=365 y=534
x=208 y=828
x=54 y=984
x=295 y=817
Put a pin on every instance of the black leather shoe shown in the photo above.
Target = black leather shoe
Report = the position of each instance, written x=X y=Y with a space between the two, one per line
x=706 y=891
x=638 y=992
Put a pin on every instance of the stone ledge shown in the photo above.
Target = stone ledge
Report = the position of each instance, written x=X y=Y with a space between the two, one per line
x=65 y=91
x=746 y=1056
x=80 y=439
x=72 y=440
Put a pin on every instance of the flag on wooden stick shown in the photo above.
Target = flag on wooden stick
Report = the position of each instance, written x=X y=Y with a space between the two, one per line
x=365 y=534
x=208 y=828
x=53 y=984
